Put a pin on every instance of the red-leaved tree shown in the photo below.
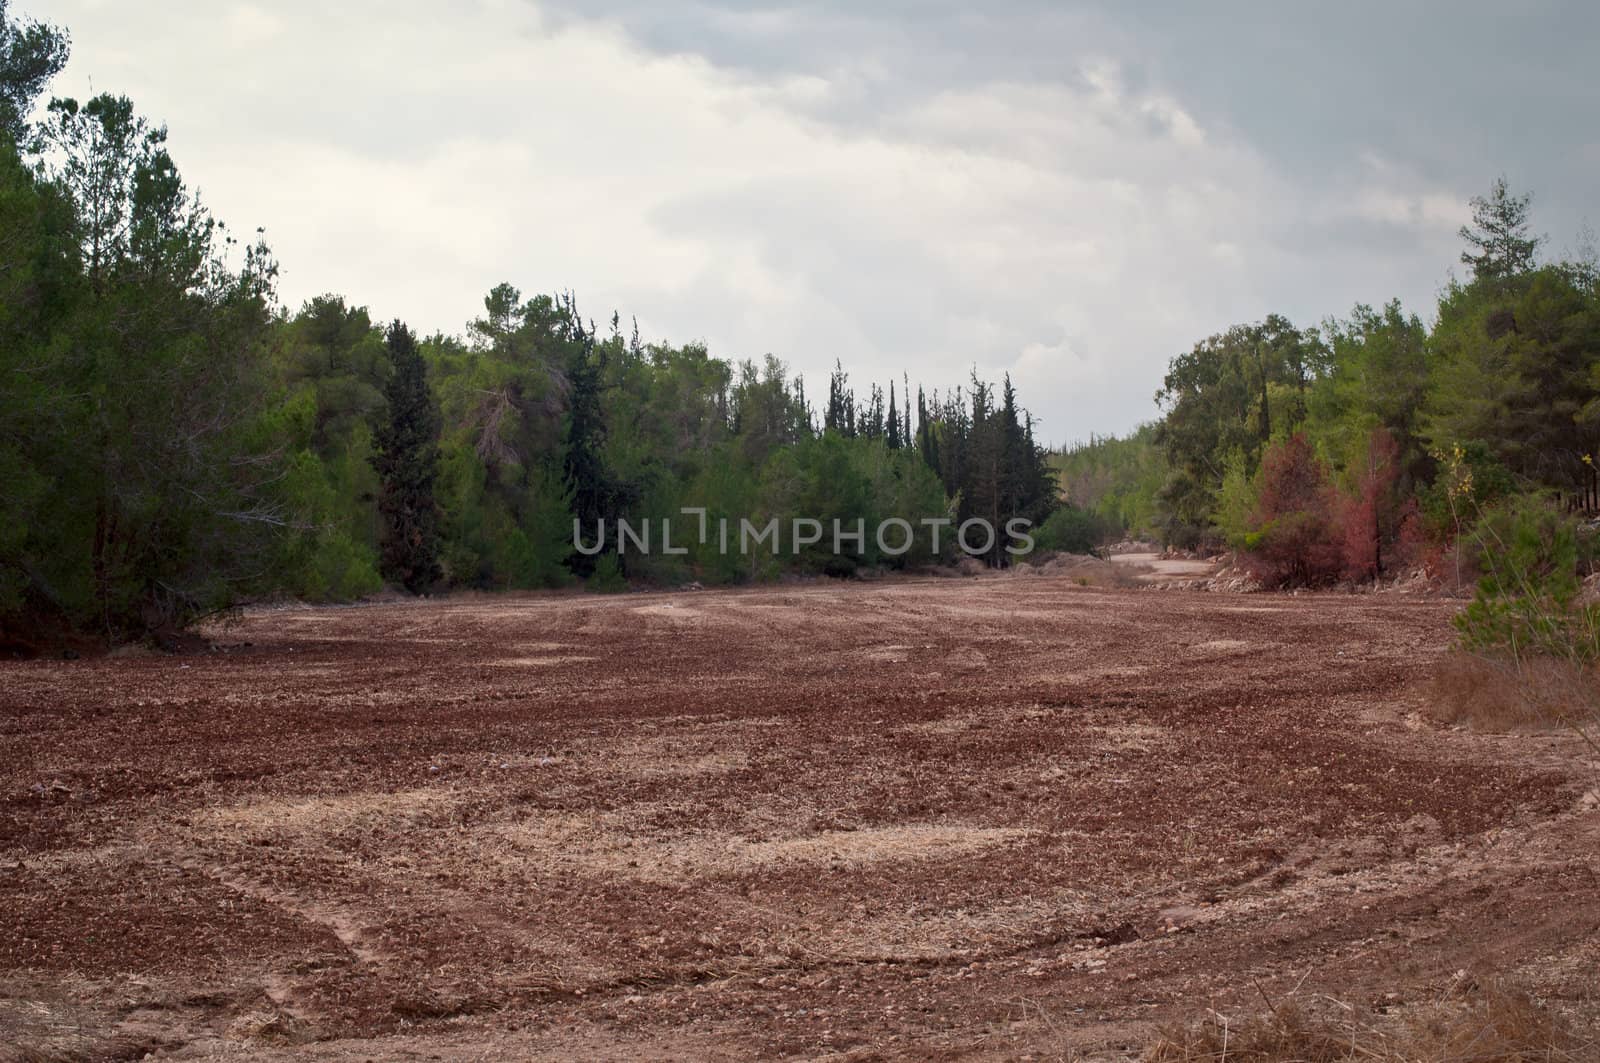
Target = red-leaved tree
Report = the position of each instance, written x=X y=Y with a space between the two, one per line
x=1370 y=518
x=1297 y=539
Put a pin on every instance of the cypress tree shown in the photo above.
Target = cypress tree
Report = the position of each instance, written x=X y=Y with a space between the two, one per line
x=407 y=461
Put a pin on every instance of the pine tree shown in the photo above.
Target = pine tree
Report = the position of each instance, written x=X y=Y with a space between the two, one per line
x=595 y=497
x=407 y=461
x=872 y=423
x=840 y=415
x=1500 y=243
x=894 y=421
x=31 y=53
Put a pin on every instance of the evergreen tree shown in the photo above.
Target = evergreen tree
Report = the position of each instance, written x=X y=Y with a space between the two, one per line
x=31 y=53
x=894 y=436
x=840 y=416
x=407 y=461
x=1501 y=246
x=872 y=420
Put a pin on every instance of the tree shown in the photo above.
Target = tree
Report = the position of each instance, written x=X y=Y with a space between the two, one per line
x=595 y=496
x=1295 y=540
x=1379 y=376
x=1370 y=518
x=1514 y=370
x=1501 y=246
x=407 y=461
x=31 y=53
x=840 y=415
x=159 y=367
x=1224 y=401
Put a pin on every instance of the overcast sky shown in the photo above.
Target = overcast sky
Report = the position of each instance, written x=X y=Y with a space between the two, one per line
x=1071 y=193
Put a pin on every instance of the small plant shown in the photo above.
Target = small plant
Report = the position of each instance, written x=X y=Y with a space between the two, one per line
x=607 y=577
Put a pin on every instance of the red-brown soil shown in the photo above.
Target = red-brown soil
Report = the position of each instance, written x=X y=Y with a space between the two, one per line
x=982 y=818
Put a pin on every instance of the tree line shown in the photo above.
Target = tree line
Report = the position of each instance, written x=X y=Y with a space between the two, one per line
x=1371 y=441
x=176 y=442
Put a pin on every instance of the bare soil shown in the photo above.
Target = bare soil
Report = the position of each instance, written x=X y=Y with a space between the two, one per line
x=984 y=818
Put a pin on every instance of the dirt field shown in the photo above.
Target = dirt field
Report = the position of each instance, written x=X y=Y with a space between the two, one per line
x=981 y=818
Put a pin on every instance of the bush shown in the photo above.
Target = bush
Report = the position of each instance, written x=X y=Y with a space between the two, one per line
x=1073 y=530
x=1499 y=694
x=1296 y=539
x=607 y=576
x=1526 y=603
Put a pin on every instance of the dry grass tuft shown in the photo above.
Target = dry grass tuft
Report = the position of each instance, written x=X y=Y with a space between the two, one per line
x=1492 y=1023
x=1506 y=695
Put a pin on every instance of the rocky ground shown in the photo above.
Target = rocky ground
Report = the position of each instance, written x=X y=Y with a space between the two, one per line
x=986 y=818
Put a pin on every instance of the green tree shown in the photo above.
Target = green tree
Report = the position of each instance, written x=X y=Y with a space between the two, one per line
x=1499 y=244
x=407 y=461
x=1230 y=396
x=159 y=368
x=31 y=53
x=1378 y=377
x=1514 y=369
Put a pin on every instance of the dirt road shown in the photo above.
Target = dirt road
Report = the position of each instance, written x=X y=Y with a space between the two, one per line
x=983 y=818
x=1151 y=566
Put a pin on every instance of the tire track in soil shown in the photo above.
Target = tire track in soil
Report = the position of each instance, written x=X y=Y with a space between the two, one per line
x=1246 y=775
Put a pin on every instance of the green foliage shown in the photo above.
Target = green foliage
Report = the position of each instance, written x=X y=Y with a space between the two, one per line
x=1117 y=478
x=1515 y=371
x=606 y=577
x=1230 y=396
x=134 y=370
x=1527 y=599
x=1377 y=377
x=1075 y=531
x=1469 y=482
x=407 y=461
x=31 y=53
x=1501 y=396
x=985 y=455
x=1238 y=500
x=1499 y=244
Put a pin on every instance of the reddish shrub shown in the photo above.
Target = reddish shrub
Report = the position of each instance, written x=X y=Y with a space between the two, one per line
x=1298 y=540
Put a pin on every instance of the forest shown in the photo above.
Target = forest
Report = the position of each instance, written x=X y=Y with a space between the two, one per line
x=1371 y=442
x=176 y=442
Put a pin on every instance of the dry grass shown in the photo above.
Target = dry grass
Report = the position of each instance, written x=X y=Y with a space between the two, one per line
x=1492 y=1023
x=1493 y=694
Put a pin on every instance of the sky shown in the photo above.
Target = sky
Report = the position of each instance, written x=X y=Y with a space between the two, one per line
x=1068 y=193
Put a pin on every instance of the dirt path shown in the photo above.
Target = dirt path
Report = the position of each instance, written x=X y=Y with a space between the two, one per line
x=1150 y=566
x=979 y=818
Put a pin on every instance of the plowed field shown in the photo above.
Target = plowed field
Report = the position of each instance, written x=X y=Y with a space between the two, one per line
x=983 y=818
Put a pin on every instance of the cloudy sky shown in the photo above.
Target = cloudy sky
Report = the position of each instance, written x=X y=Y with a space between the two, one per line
x=1069 y=193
